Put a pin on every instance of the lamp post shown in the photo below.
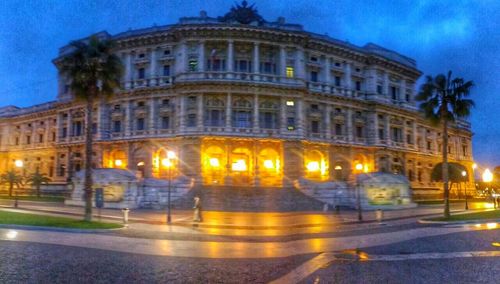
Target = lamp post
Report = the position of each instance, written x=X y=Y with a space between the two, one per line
x=168 y=162
x=18 y=164
x=487 y=178
x=464 y=174
x=359 y=168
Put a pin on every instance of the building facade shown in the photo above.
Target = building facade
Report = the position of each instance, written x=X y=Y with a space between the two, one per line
x=241 y=101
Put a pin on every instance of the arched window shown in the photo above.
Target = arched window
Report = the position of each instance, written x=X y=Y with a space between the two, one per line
x=242 y=113
x=214 y=115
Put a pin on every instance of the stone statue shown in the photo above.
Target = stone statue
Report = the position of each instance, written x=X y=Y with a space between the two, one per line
x=197 y=210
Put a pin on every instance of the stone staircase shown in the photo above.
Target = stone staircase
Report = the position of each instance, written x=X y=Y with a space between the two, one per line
x=331 y=193
x=249 y=199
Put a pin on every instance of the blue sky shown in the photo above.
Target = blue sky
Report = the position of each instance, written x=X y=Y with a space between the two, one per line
x=463 y=36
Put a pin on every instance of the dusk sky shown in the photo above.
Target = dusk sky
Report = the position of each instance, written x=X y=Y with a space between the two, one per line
x=462 y=36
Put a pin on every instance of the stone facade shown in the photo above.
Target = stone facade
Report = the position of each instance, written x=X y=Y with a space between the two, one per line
x=241 y=102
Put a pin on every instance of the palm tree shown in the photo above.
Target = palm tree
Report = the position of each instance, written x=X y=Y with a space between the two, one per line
x=94 y=72
x=11 y=178
x=443 y=101
x=37 y=179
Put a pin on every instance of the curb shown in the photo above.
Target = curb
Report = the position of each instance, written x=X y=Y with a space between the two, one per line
x=423 y=221
x=56 y=229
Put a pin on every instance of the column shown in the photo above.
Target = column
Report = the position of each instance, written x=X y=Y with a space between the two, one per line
x=405 y=141
x=371 y=81
x=300 y=120
x=69 y=131
x=152 y=116
x=282 y=61
x=128 y=118
x=200 y=116
x=300 y=63
x=59 y=127
x=328 y=122
x=256 y=60
x=328 y=72
x=182 y=113
x=255 y=116
x=349 y=123
x=374 y=128
x=347 y=76
x=283 y=124
x=415 y=134
x=181 y=62
x=402 y=90
x=385 y=88
x=46 y=133
x=101 y=119
x=387 y=130
x=153 y=69
x=128 y=70
x=201 y=52
x=228 y=112
x=230 y=58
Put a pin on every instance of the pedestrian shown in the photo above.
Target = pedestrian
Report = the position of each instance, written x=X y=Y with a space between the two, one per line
x=197 y=210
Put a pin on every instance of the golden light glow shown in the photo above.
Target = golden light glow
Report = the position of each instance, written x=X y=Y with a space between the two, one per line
x=487 y=176
x=338 y=168
x=140 y=164
x=171 y=155
x=18 y=163
x=474 y=166
x=491 y=225
x=268 y=164
x=366 y=169
x=214 y=162
x=289 y=72
x=290 y=103
x=359 y=167
x=166 y=163
x=239 y=166
x=118 y=163
x=464 y=173
x=313 y=166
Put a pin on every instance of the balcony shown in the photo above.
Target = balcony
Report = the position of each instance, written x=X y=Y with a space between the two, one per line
x=238 y=76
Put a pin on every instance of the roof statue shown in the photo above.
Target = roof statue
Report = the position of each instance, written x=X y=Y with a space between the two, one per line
x=243 y=14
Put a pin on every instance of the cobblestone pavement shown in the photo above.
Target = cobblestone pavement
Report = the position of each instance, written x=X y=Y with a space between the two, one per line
x=40 y=263
x=425 y=270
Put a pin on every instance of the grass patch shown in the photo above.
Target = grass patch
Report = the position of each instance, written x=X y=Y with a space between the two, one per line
x=35 y=198
x=493 y=214
x=433 y=202
x=15 y=218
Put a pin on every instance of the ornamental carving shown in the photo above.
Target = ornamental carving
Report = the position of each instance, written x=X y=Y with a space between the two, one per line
x=243 y=14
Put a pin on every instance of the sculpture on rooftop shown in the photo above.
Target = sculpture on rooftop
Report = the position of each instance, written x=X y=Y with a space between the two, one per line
x=243 y=14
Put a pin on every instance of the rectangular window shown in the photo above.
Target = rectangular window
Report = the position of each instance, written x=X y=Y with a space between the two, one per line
x=289 y=72
x=165 y=122
x=28 y=139
x=397 y=135
x=338 y=129
x=193 y=65
x=16 y=141
x=53 y=136
x=268 y=67
x=358 y=86
x=94 y=128
x=191 y=120
x=140 y=124
x=77 y=128
x=314 y=76
x=408 y=139
x=40 y=138
x=215 y=117
x=429 y=145
x=359 y=131
x=117 y=126
x=381 y=133
x=64 y=132
x=315 y=126
x=290 y=123
x=337 y=81
x=407 y=96
x=165 y=102
x=242 y=119
x=141 y=73
x=166 y=70
x=379 y=89
x=394 y=93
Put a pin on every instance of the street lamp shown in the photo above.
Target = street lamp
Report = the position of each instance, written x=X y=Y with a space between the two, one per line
x=488 y=178
x=18 y=163
x=359 y=168
x=168 y=162
x=464 y=174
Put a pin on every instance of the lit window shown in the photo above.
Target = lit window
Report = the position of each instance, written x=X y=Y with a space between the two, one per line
x=239 y=166
x=289 y=72
x=193 y=65
x=290 y=103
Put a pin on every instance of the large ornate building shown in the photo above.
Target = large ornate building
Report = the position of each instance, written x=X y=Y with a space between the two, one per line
x=241 y=101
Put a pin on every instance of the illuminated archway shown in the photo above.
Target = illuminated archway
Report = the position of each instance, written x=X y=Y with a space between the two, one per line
x=214 y=165
x=270 y=167
x=117 y=159
x=162 y=163
x=241 y=166
x=315 y=165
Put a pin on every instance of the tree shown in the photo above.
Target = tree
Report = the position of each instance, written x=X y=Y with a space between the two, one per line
x=94 y=72
x=443 y=101
x=11 y=178
x=37 y=179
